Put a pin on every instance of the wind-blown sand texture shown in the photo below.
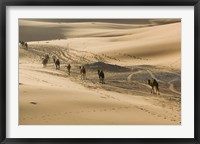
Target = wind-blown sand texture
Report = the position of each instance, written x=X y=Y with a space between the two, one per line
x=129 y=55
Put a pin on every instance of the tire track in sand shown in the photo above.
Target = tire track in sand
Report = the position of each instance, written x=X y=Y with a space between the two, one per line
x=171 y=85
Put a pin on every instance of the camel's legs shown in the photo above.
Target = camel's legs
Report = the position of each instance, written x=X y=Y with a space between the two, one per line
x=100 y=80
x=157 y=90
x=152 y=90
x=103 y=81
x=84 y=76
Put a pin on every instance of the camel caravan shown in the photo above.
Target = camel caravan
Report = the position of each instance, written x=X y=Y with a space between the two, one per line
x=153 y=83
x=46 y=58
x=56 y=61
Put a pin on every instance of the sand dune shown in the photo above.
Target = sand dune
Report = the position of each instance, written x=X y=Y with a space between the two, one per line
x=50 y=31
x=145 y=45
x=129 y=55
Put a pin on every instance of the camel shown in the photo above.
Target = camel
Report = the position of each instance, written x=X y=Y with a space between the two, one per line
x=101 y=76
x=83 y=72
x=57 y=63
x=22 y=42
x=68 y=68
x=154 y=85
x=54 y=58
x=26 y=45
x=46 y=57
x=44 y=62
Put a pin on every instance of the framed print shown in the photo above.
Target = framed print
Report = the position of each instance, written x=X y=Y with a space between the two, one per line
x=99 y=72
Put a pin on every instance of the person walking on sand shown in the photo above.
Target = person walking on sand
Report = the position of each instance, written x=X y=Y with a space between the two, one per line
x=68 y=68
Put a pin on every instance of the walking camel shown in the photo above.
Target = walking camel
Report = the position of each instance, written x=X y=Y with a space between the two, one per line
x=57 y=63
x=83 y=72
x=45 y=60
x=154 y=86
x=68 y=68
x=101 y=76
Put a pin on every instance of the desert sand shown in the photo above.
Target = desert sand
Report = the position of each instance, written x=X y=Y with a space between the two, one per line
x=129 y=54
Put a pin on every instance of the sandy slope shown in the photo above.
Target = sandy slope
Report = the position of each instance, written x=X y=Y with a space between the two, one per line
x=49 y=96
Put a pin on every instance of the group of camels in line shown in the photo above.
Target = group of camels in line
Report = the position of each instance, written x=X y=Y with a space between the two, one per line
x=153 y=83
x=56 y=61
